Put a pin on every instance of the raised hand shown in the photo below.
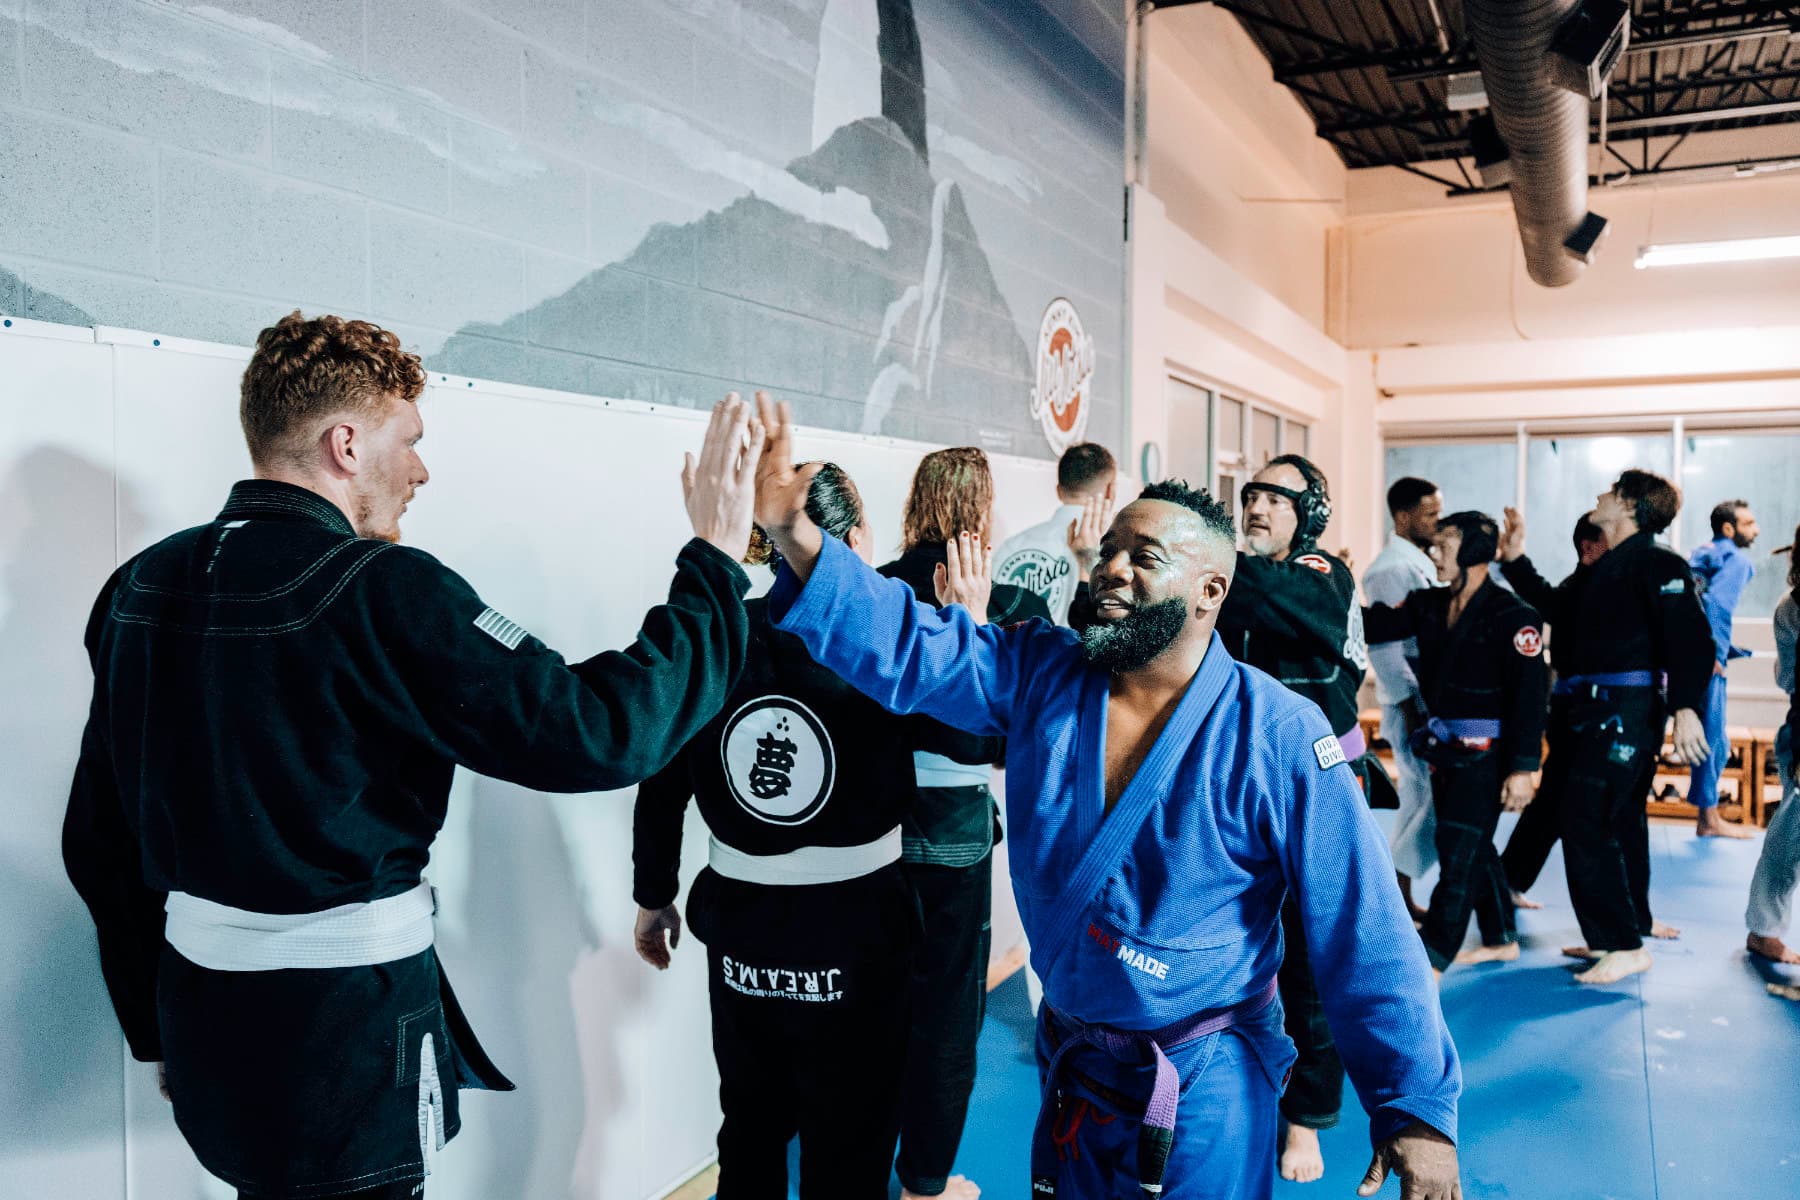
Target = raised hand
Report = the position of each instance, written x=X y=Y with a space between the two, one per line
x=720 y=487
x=1512 y=536
x=966 y=576
x=1086 y=530
x=781 y=489
x=652 y=924
x=1424 y=1160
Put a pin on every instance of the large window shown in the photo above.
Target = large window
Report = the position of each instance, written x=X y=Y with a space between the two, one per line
x=1482 y=476
x=1565 y=475
x=1218 y=441
x=1757 y=466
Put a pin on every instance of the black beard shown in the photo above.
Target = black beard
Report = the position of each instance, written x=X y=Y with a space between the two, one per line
x=1132 y=641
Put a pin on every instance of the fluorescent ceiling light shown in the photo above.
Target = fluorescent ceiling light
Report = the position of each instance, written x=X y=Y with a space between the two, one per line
x=1682 y=254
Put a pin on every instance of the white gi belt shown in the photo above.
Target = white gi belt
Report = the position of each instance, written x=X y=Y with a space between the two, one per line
x=809 y=864
x=936 y=771
x=222 y=938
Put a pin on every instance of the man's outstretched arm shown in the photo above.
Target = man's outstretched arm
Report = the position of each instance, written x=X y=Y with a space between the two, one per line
x=905 y=655
x=1379 y=995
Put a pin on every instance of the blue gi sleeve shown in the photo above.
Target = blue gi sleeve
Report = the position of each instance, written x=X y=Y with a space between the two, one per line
x=1376 y=985
x=904 y=655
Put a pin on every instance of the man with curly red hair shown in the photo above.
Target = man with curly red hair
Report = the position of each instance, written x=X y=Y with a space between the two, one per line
x=280 y=698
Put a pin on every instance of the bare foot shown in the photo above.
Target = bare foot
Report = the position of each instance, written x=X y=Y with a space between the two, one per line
x=1786 y=991
x=1771 y=948
x=1301 y=1161
x=1505 y=952
x=1615 y=965
x=1711 y=824
x=1580 y=952
x=1667 y=933
x=1521 y=900
x=955 y=1188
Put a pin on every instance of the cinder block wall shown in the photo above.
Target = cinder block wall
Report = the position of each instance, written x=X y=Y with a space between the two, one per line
x=864 y=204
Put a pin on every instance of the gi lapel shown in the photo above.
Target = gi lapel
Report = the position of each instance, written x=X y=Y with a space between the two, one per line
x=1108 y=844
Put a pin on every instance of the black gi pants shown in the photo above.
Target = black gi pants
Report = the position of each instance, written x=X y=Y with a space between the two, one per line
x=1540 y=825
x=949 y=1000
x=1606 y=833
x=808 y=988
x=1315 y=1090
x=1466 y=796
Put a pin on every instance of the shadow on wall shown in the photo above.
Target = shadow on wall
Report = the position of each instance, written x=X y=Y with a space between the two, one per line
x=61 y=1056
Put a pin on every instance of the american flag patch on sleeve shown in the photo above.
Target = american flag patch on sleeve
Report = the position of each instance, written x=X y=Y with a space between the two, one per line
x=496 y=625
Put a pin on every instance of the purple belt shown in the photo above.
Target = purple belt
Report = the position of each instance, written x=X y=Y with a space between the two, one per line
x=1354 y=744
x=1610 y=679
x=1156 y=1132
x=1472 y=729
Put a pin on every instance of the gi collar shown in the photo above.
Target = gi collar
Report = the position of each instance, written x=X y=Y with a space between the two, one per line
x=271 y=500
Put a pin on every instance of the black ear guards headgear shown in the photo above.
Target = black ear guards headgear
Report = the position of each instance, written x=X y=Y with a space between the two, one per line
x=1480 y=537
x=1312 y=507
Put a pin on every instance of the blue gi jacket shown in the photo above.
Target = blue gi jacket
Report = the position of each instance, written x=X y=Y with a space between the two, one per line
x=1258 y=803
x=1724 y=569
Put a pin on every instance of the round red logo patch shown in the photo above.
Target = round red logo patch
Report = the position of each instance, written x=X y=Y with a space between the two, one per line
x=1316 y=562
x=1528 y=642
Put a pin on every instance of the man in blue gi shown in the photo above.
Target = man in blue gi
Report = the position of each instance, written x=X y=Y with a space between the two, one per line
x=1162 y=799
x=1722 y=568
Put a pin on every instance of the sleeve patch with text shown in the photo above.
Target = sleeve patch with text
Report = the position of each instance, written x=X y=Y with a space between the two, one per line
x=1329 y=751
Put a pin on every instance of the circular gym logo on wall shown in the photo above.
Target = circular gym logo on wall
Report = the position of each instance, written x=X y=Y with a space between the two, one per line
x=1065 y=369
x=778 y=760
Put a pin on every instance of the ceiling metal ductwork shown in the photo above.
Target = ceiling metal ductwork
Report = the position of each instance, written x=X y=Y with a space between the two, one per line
x=1544 y=127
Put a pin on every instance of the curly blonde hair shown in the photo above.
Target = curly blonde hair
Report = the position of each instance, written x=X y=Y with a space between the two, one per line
x=952 y=493
x=304 y=370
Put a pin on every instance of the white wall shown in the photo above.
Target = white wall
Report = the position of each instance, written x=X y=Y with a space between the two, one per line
x=564 y=511
x=1235 y=261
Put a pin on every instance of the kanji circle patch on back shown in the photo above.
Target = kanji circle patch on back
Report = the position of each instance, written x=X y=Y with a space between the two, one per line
x=1317 y=562
x=1528 y=641
x=496 y=625
x=1329 y=751
x=778 y=760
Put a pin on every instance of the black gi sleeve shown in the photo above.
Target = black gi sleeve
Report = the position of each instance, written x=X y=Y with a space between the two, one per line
x=1531 y=587
x=1680 y=635
x=486 y=694
x=1292 y=599
x=656 y=835
x=1525 y=683
x=103 y=859
x=1392 y=622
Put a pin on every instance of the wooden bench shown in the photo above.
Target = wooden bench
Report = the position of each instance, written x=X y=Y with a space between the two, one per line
x=1738 y=799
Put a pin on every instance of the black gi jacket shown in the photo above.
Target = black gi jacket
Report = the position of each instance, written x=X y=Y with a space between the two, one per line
x=942 y=826
x=1299 y=620
x=1488 y=666
x=278 y=709
x=1638 y=611
x=1558 y=605
x=769 y=794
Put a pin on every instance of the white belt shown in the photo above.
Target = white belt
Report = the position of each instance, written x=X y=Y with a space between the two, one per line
x=809 y=864
x=222 y=938
x=936 y=771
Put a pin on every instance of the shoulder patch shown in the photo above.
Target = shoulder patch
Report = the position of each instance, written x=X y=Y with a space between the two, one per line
x=1673 y=588
x=1329 y=751
x=1528 y=641
x=1317 y=562
x=496 y=625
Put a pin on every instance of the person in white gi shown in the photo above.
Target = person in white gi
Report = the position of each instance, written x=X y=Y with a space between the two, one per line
x=1041 y=559
x=1404 y=566
x=1778 y=867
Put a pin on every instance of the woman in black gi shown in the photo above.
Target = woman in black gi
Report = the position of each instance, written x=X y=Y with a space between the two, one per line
x=810 y=926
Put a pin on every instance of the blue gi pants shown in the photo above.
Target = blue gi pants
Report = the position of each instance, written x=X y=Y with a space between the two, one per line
x=1703 y=778
x=1225 y=1128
